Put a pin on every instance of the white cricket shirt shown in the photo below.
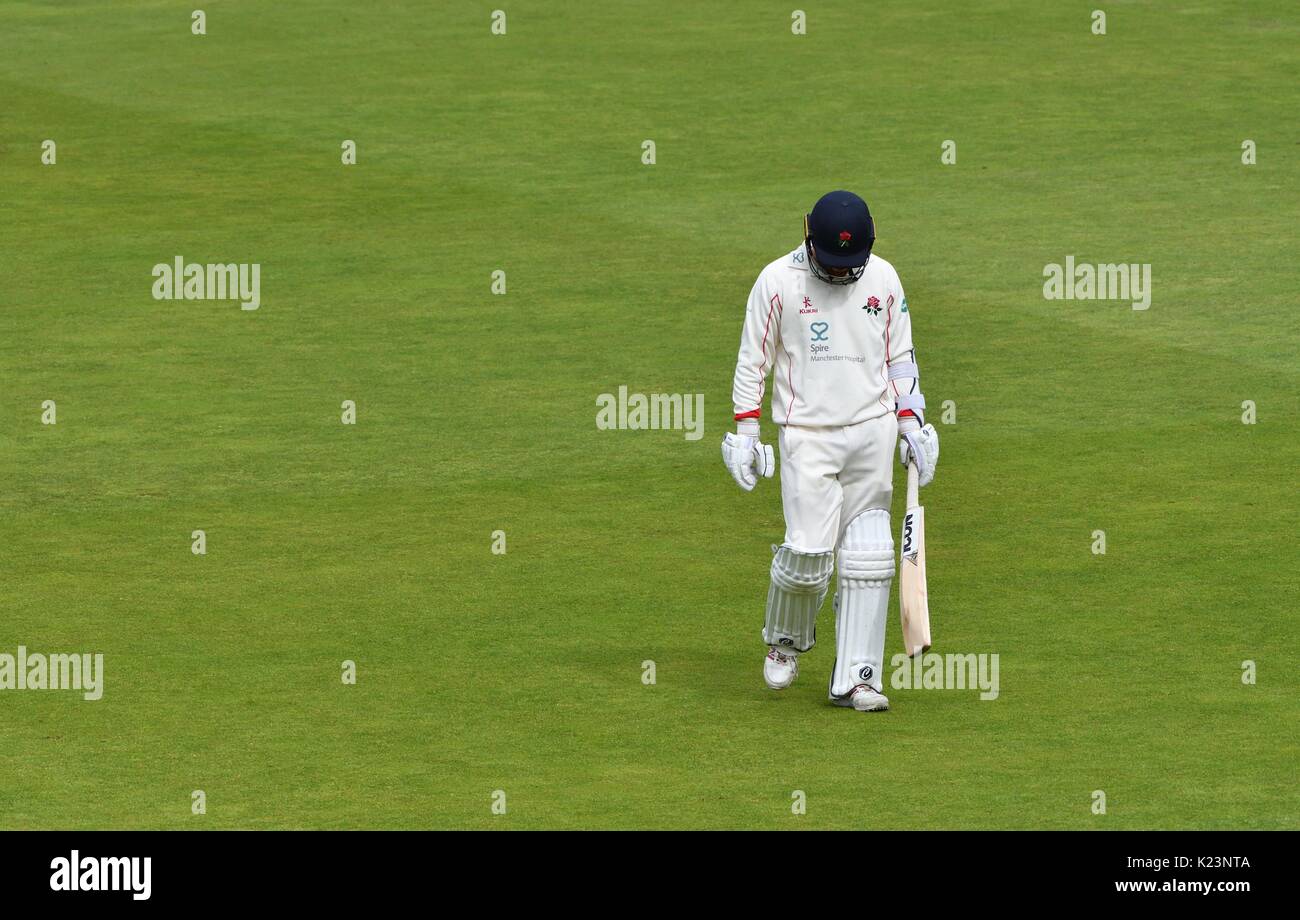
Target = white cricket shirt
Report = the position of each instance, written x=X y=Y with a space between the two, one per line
x=827 y=347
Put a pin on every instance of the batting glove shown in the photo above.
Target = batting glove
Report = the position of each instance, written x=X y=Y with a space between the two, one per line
x=746 y=457
x=920 y=445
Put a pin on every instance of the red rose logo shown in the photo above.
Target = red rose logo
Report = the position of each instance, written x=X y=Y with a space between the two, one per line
x=873 y=301
x=845 y=236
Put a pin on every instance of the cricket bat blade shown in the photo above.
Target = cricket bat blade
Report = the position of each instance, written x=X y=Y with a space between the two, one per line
x=913 y=602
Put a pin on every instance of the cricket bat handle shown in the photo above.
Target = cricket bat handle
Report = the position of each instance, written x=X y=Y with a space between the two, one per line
x=913 y=499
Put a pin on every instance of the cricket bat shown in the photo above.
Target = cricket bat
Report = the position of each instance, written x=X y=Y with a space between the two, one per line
x=913 y=605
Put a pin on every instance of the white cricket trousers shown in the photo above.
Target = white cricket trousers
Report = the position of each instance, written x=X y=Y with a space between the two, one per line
x=831 y=475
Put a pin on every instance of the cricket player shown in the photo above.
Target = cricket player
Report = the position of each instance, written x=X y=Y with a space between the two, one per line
x=829 y=324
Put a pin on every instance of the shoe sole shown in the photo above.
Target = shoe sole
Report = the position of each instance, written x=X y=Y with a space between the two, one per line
x=848 y=704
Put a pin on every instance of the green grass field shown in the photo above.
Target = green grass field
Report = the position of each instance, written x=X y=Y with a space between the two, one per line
x=522 y=672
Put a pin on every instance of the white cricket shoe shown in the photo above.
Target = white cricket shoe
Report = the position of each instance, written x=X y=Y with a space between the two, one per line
x=864 y=698
x=780 y=668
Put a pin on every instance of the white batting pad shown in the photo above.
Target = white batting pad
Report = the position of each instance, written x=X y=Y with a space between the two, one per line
x=798 y=588
x=862 y=602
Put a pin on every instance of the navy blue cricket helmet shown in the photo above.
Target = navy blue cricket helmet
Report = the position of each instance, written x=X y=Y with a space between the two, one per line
x=839 y=234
